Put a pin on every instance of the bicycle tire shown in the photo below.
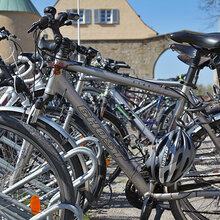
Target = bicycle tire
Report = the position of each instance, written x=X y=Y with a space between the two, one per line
x=163 y=119
x=78 y=127
x=200 y=208
x=120 y=133
x=58 y=139
x=15 y=131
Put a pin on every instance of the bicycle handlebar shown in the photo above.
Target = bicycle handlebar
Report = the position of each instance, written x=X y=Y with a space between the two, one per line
x=49 y=20
x=5 y=34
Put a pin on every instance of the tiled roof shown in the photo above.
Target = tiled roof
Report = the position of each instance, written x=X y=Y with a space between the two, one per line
x=18 y=5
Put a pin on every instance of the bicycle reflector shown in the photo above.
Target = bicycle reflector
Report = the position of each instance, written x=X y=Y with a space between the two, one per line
x=35 y=204
x=107 y=161
x=84 y=142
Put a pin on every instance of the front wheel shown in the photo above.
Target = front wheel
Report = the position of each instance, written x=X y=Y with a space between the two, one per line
x=39 y=176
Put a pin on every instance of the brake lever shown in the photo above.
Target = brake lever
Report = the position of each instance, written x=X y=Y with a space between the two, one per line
x=68 y=23
x=34 y=27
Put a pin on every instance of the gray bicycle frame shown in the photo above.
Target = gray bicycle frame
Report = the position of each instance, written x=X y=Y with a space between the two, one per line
x=60 y=84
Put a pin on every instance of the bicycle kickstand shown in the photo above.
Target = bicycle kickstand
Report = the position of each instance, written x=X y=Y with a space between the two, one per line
x=159 y=212
x=147 y=207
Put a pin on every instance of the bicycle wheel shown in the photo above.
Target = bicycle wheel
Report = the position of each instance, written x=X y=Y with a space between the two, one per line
x=119 y=133
x=62 y=145
x=163 y=119
x=77 y=130
x=32 y=177
x=205 y=176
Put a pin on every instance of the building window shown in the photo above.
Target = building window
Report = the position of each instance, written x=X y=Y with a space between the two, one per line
x=84 y=15
x=107 y=16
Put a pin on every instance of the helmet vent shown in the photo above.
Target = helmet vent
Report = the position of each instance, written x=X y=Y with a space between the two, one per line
x=185 y=165
x=168 y=159
x=179 y=158
x=166 y=175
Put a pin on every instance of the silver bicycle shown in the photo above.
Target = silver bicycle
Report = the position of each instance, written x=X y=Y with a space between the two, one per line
x=203 y=178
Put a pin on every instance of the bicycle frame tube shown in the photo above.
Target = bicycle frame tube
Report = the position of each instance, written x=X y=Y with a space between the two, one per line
x=137 y=121
x=158 y=82
x=117 y=78
x=59 y=84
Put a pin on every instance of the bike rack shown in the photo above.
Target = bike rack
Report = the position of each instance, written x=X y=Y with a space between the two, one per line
x=82 y=179
x=83 y=150
x=46 y=213
x=76 y=183
x=92 y=139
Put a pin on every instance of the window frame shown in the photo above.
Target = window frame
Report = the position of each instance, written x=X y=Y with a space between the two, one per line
x=106 y=17
x=114 y=16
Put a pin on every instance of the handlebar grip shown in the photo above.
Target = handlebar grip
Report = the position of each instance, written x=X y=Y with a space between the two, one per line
x=34 y=26
x=72 y=16
x=2 y=28
x=42 y=23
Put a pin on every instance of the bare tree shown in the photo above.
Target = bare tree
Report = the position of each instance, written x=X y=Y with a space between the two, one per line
x=212 y=7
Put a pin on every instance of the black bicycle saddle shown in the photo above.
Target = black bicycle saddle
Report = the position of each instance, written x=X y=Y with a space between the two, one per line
x=207 y=41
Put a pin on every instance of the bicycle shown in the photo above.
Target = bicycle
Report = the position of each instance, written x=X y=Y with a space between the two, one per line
x=55 y=134
x=59 y=84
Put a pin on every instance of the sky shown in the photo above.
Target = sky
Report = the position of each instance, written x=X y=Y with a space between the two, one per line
x=167 y=16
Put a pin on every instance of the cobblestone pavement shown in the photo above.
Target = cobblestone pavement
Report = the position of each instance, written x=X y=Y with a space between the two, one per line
x=119 y=208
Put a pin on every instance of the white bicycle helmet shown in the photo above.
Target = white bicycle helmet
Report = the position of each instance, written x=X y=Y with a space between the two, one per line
x=172 y=157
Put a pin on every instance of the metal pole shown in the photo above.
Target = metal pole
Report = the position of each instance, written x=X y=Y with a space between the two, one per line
x=78 y=25
x=217 y=70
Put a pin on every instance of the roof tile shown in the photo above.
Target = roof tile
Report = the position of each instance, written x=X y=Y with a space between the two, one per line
x=18 y=5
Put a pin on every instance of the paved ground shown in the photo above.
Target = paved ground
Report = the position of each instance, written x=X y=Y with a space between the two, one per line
x=119 y=208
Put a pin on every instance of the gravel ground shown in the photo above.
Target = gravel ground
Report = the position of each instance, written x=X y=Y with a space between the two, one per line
x=119 y=208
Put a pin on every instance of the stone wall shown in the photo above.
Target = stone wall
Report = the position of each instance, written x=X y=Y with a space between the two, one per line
x=141 y=55
x=17 y=23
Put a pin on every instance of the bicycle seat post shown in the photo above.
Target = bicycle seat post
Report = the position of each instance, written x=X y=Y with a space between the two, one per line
x=193 y=68
x=187 y=84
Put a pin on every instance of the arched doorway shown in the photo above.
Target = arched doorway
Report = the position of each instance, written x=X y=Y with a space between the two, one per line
x=168 y=66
